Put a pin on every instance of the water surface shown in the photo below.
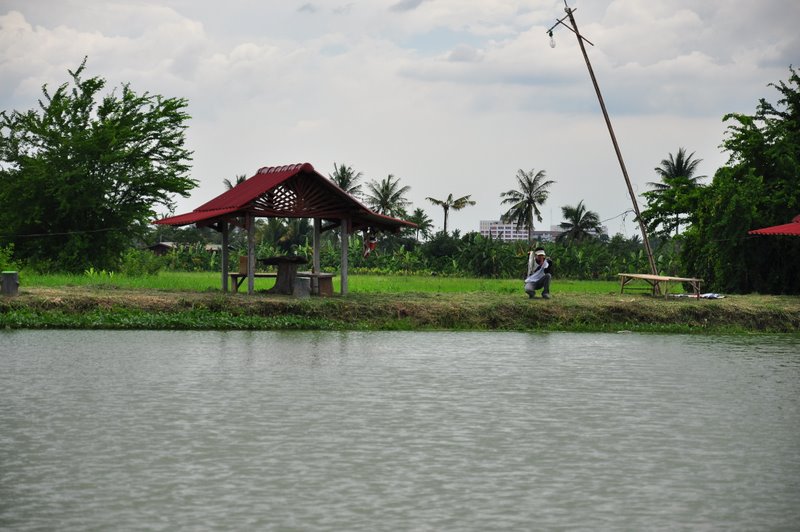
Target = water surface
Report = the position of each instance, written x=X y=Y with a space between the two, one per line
x=397 y=431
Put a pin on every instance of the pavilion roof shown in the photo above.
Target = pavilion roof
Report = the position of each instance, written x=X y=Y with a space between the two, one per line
x=291 y=191
x=790 y=229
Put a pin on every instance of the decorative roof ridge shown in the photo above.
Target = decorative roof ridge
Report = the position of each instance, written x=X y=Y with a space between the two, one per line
x=285 y=168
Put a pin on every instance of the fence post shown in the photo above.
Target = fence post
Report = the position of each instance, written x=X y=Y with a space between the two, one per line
x=10 y=283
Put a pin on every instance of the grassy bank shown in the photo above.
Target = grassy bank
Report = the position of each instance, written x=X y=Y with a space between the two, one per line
x=193 y=301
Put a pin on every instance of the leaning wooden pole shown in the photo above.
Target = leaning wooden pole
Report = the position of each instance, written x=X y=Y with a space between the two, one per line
x=646 y=240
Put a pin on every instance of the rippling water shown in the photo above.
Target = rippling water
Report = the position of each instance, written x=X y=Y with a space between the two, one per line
x=397 y=431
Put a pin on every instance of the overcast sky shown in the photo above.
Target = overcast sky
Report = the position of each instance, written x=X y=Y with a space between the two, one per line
x=451 y=96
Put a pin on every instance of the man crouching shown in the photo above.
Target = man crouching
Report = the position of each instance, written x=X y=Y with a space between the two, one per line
x=538 y=273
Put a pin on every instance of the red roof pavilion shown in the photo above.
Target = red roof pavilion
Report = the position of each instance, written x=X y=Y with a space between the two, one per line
x=790 y=229
x=291 y=191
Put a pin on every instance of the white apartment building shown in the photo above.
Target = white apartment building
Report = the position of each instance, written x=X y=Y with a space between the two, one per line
x=509 y=232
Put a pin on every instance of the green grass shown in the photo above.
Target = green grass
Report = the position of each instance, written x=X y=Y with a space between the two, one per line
x=367 y=284
x=195 y=301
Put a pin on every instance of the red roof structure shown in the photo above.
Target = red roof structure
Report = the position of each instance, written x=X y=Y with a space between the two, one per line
x=790 y=229
x=291 y=191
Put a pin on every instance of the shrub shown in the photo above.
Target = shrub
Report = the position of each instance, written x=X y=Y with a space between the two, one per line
x=138 y=263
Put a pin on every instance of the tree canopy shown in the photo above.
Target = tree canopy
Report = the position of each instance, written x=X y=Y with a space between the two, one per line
x=672 y=202
x=80 y=175
x=525 y=201
x=450 y=203
x=388 y=197
x=579 y=223
x=347 y=179
x=759 y=187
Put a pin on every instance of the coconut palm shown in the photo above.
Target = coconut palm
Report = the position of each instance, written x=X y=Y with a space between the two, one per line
x=238 y=180
x=387 y=196
x=579 y=223
x=450 y=203
x=673 y=199
x=424 y=223
x=525 y=201
x=347 y=179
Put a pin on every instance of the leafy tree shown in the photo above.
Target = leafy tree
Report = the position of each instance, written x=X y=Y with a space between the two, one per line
x=673 y=200
x=525 y=200
x=580 y=223
x=758 y=187
x=450 y=203
x=80 y=175
x=424 y=223
x=347 y=179
x=238 y=180
x=388 y=197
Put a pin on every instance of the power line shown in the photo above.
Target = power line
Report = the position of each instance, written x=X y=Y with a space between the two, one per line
x=84 y=231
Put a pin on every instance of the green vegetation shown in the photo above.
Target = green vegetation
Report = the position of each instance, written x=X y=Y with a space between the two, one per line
x=759 y=187
x=80 y=175
x=194 y=301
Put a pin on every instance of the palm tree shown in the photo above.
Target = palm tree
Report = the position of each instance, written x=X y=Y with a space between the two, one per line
x=580 y=223
x=450 y=203
x=347 y=179
x=672 y=200
x=238 y=180
x=387 y=197
x=424 y=223
x=525 y=201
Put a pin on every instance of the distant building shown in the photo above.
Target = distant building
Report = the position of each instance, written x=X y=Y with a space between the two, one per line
x=162 y=248
x=510 y=232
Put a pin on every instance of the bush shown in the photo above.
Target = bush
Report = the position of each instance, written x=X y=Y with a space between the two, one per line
x=138 y=263
x=7 y=258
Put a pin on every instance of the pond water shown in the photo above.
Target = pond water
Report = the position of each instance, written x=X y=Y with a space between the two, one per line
x=113 y=430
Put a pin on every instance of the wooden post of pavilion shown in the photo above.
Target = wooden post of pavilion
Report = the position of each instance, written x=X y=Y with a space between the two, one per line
x=345 y=250
x=251 y=252
x=224 y=255
x=315 y=260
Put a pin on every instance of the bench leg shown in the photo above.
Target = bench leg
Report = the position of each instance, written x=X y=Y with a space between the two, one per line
x=325 y=286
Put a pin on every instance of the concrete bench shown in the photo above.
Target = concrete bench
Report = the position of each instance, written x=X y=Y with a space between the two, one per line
x=321 y=283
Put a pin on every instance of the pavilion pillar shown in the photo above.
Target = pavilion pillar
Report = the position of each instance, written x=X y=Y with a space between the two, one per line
x=251 y=252
x=315 y=262
x=224 y=255
x=345 y=250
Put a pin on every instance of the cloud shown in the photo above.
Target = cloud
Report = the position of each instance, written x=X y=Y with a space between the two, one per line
x=453 y=97
x=406 y=5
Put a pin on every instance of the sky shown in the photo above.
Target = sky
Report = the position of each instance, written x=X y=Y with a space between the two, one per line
x=450 y=96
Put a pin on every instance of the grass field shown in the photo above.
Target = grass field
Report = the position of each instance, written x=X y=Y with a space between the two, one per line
x=195 y=301
x=367 y=284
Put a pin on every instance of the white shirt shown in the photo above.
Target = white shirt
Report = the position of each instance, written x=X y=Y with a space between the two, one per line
x=538 y=271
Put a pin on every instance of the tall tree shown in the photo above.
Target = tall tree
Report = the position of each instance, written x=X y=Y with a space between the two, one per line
x=450 y=203
x=423 y=222
x=672 y=202
x=80 y=176
x=347 y=179
x=387 y=196
x=525 y=200
x=758 y=187
x=238 y=180
x=579 y=223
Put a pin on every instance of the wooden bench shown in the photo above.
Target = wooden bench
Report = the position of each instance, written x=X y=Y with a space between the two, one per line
x=238 y=278
x=324 y=281
x=656 y=282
